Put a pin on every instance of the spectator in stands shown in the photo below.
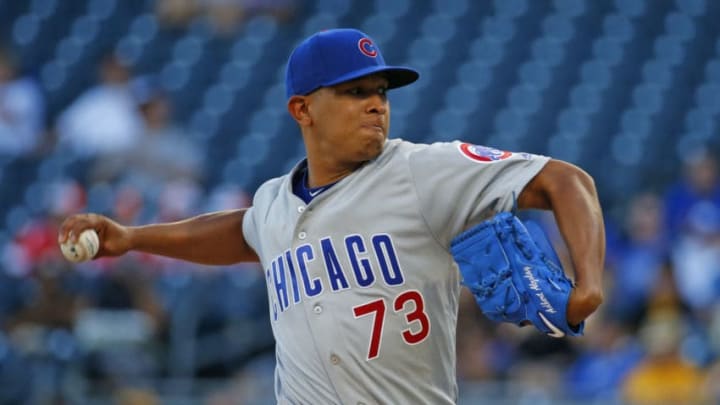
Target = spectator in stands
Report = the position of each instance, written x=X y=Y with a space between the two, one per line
x=164 y=151
x=217 y=11
x=41 y=329
x=128 y=204
x=696 y=258
x=16 y=382
x=711 y=389
x=700 y=182
x=227 y=196
x=104 y=119
x=178 y=199
x=477 y=346
x=176 y=13
x=120 y=326
x=640 y=260
x=606 y=355
x=45 y=300
x=131 y=395
x=35 y=242
x=714 y=342
x=664 y=376
x=22 y=109
x=175 y=200
x=226 y=16
x=51 y=301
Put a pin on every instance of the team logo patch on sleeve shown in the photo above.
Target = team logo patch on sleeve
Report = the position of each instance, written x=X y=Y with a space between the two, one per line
x=484 y=154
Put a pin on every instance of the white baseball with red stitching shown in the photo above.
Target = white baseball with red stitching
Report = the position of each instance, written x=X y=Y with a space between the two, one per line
x=85 y=249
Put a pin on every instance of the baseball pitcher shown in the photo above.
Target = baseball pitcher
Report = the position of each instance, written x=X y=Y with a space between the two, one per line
x=365 y=243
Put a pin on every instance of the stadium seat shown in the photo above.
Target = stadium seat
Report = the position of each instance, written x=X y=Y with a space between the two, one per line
x=626 y=150
x=43 y=8
x=707 y=97
x=486 y=50
x=381 y=26
x=595 y=73
x=392 y=9
x=512 y=122
x=573 y=123
x=700 y=122
x=535 y=73
x=669 y=49
x=680 y=26
x=438 y=27
x=319 y=22
x=497 y=29
x=337 y=8
x=635 y=124
x=647 y=97
x=451 y=8
x=218 y=99
x=693 y=8
x=712 y=71
x=585 y=97
x=203 y=124
x=524 y=98
x=558 y=28
x=402 y=102
x=548 y=51
x=657 y=72
x=630 y=8
x=447 y=124
x=260 y=29
x=564 y=147
x=462 y=99
x=425 y=53
x=608 y=50
x=618 y=27
x=570 y=8
x=510 y=8
x=26 y=29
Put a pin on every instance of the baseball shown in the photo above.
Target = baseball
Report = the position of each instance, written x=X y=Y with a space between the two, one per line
x=85 y=249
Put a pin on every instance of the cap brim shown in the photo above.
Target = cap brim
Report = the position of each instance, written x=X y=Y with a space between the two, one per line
x=397 y=76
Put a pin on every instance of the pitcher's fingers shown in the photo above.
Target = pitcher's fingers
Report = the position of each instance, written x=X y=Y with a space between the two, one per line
x=73 y=226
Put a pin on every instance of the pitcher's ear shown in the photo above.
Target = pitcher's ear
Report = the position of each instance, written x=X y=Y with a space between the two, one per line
x=298 y=109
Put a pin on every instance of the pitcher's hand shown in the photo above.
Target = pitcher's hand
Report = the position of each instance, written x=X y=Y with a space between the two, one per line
x=582 y=303
x=114 y=238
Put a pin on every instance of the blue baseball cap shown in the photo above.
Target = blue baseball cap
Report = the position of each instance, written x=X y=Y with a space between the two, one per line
x=339 y=55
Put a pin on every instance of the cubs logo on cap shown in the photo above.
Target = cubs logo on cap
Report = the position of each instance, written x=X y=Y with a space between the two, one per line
x=367 y=47
x=485 y=154
x=339 y=55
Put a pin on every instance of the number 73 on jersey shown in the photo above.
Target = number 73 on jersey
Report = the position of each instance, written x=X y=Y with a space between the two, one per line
x=411 y=304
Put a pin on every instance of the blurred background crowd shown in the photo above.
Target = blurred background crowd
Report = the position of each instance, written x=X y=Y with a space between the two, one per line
x=155 y=110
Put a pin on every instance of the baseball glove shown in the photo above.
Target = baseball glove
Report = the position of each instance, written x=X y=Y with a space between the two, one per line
x=515 y=275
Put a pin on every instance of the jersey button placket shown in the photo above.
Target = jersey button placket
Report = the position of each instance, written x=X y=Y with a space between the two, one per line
x=317 y=308
x=334 y=359
x=302 y=235
x=300 y=209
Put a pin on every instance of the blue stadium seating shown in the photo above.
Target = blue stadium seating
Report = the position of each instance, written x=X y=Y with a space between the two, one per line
x=515 y=73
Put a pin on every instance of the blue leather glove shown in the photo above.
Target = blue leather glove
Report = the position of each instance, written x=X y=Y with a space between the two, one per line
x=515 y=274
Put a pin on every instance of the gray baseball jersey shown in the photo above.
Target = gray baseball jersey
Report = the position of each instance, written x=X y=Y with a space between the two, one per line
x=363 y=292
